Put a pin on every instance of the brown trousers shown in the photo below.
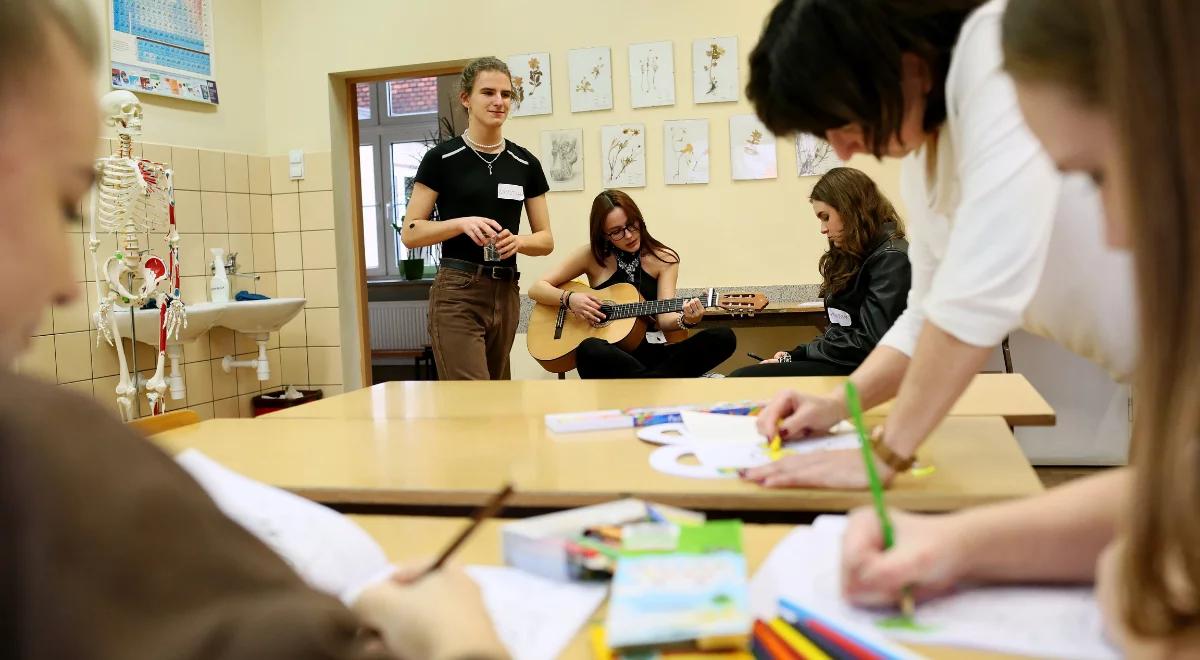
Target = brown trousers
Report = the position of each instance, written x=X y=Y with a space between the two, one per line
x=472 y=324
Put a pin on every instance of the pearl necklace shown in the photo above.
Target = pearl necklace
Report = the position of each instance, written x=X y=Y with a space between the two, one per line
x=476 y=147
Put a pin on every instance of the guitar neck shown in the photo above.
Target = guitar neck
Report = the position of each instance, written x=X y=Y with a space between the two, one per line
x=654 y=307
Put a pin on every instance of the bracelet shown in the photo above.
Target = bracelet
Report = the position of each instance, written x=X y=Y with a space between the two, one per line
x=889 y=457
x=680 y=324
x=567 y=304
x=684 y=323
x=562 y=300
x=787 y=357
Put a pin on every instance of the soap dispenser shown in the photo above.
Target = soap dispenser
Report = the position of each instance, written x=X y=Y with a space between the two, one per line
x=218 y=290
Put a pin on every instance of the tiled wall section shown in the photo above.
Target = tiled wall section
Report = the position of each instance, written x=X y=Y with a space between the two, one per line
x=281 y=229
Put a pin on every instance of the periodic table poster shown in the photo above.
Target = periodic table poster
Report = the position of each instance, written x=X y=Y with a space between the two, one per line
x=164 y=47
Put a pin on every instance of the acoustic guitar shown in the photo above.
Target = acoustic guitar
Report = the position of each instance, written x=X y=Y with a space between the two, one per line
x=554 y=333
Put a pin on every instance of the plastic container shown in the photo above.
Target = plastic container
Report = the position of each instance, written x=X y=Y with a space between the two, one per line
x=261 y=405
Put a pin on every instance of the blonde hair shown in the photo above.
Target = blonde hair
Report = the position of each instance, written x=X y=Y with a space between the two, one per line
x=466 y=83
x=23 y=25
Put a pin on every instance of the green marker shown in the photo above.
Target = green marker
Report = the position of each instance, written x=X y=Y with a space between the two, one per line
x=885 y=522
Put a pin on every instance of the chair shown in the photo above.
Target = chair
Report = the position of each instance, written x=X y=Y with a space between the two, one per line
x=165 y=422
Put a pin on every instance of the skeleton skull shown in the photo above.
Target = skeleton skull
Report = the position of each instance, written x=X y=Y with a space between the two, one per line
x=122 y=109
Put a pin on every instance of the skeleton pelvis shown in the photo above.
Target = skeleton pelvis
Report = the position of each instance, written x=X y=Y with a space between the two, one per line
x=151 y=270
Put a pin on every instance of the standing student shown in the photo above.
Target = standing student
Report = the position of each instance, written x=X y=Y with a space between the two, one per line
x=479 y=182
x=864 y=278
x=997 y=235
x=108 y=549
x=1099 y=82
x=621 y=250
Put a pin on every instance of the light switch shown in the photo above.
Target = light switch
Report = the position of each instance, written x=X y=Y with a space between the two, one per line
x=296 y=164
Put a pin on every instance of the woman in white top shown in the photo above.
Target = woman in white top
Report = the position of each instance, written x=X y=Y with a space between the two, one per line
x=1000 y=239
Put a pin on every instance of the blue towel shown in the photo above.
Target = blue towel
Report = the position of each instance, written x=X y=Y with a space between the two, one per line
x=244 y=295
x=150 y=304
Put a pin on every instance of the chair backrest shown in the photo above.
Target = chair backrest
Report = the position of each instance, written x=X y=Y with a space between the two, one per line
x=164 y=422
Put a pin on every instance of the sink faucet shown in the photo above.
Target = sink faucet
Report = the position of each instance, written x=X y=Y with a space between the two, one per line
x=231 y=268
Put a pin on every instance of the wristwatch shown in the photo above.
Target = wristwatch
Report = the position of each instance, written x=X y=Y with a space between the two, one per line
x=890 y=458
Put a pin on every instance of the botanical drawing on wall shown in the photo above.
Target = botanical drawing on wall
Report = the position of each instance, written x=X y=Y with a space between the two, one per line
x=531 y=84
x=814 y=156
x=623 y=154
x=685 y=151
x=590 y=70
x=751 y=149
x=562 y=158
x=714 y=70
x=651 y=74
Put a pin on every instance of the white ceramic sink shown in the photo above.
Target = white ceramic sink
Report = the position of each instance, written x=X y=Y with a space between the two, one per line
x=252 y=317
x=201 y=317
x=256 y=317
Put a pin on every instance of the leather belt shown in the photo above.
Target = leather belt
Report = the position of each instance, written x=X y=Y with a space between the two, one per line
x=492 y=272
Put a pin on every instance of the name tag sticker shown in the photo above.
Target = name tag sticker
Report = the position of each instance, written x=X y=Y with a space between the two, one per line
x=838 y=316
x=510 y=191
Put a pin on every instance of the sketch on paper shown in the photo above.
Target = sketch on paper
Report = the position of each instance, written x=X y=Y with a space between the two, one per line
x=715 y=70
x=624 y=155
x=562 y=157
x=590 y=71
x=751 y=149
x=814 y=156
x=531 y=84
x=685 y=151
x=651 y=74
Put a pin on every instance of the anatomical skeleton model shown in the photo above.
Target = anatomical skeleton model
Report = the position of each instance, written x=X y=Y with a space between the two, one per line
x=134 y=198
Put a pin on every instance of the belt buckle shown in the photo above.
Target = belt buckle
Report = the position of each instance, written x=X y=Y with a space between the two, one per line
x=495 y=274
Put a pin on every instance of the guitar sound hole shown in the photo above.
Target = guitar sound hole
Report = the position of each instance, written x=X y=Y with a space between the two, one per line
x=606 y=310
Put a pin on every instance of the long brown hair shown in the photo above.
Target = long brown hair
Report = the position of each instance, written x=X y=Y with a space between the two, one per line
x=864 y=211
x=604 y=203
x=1146 y=76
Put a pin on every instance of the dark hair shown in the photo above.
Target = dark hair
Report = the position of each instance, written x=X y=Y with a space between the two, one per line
x=823 y=64
x=466 y=82
x=864 y=211
x=23 y=32
x=1054 y=42
x=604 y=203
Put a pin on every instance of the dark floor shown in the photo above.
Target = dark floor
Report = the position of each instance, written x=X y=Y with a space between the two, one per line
x=1055 y=475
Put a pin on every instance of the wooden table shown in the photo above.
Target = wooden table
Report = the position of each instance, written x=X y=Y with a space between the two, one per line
x=1010 y=396
x=414 y=538
x=459 y=461
x=782 y=314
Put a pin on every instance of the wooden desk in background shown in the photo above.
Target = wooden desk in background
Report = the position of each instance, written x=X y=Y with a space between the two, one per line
x=783 y=314
x=414 y=539
x=1005 y=395
x=395 y=465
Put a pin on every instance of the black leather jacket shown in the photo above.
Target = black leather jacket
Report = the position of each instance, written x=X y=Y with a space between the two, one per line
x=861 y=313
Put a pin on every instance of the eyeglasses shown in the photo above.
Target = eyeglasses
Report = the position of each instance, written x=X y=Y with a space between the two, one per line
x=619 y=233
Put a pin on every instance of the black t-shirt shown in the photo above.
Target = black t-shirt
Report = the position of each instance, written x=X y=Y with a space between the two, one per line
x=455 y=172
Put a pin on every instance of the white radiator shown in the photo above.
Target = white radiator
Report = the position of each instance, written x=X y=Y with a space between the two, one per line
x=399 y=325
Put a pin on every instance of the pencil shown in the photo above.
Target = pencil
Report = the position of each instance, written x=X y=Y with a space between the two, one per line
x=752 y=356
x=489 y=509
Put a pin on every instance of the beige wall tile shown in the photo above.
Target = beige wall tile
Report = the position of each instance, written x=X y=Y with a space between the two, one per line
x=293 y=332
x=74 y=316
x=104 y=391
x=221 y=342
x=264 y=253
x=246 y=405
x=194 y=289
x=247 y=262
x=215 y=212
x=293 y=366
x=320 y=249
x=321 y=287
x=189 y=218
x=291 y=283
x=316 y=210
x=81 y=387
x=267 y=285
x=285 y=209
x=238 y=206
x=262 y=220
x=104 y=147
x=214 y=240
x=78 y=256
x=46 y=325
x=106 y=249
x=159 y=153
x=224 y=385
x=226 y=408
x=273 y=342
x=197 y=378
x=273 y=363
x=199 y=350
x=192 y=257
x=186 y=165
x=325 y=365
x=332 y=390
x=243 y=343
x=38 y=359
x=237 y=173
x=212 y=171
x=73 y=356
x=104 y=357
x=288 y=252
x=203 y=410
x=322 y=327
x=260 y=175
x=280 y=183
x=317 y=172
x=247 y=379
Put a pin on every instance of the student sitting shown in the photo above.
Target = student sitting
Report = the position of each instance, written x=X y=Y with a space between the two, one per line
x=865 y=278
x=622 y=250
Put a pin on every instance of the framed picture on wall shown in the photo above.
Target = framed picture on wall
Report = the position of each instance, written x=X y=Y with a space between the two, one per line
x=531 y=84
x=652 y=74
x=562 y=158
x=590 y=71
x=623 y=156
x=751 y=149
x=814 y=156
x=715 y=70
x=685 y=151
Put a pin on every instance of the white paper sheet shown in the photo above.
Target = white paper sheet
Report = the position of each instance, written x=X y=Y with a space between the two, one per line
x=536 y=618
x=1044 y=622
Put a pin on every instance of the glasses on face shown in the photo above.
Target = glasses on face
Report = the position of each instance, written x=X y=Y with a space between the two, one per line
x=619 y=233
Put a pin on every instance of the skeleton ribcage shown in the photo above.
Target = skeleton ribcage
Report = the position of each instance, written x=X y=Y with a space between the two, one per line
x=126 y=202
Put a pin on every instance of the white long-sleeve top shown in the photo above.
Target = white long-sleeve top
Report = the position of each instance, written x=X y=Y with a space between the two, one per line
x=999 y=239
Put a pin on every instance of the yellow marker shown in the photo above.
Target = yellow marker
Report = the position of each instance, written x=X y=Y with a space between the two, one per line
x=798 y=642
x=776 y=450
